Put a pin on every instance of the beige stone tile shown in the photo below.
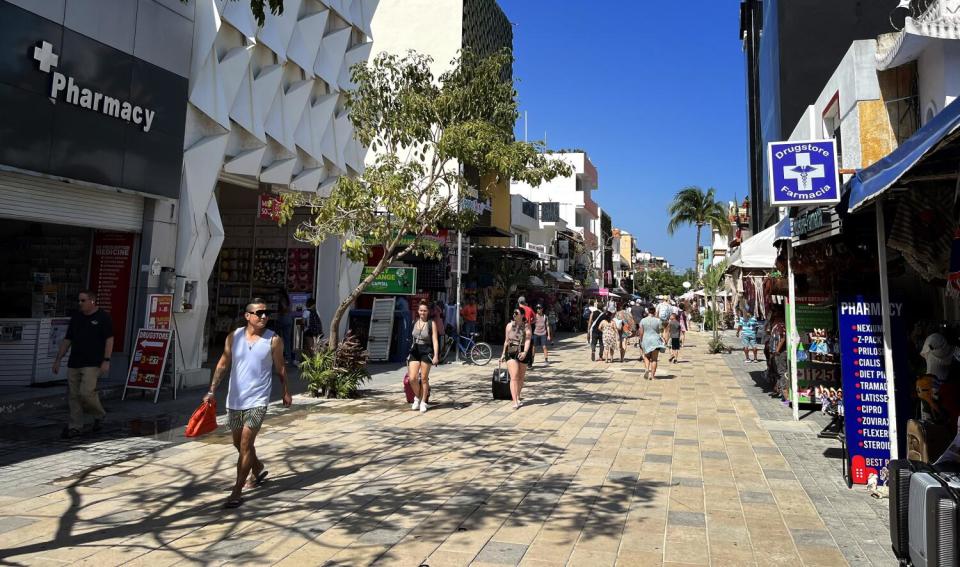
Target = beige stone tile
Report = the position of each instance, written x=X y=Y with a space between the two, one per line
x=589 y=558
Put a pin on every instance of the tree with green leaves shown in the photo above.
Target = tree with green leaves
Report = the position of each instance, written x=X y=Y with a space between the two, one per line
x=693 y=206
x=652 y=283
x=712 y=284
x=426 y=132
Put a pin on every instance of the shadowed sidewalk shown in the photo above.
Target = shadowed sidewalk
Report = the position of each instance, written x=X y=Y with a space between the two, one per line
x=598 y=468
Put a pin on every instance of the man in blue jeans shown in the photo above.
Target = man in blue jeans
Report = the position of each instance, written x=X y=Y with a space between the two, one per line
x=747 y=331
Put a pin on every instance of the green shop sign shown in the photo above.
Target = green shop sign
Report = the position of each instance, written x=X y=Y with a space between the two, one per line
x=392 y=281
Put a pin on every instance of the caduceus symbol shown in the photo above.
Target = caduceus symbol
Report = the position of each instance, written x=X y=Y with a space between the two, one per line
x=804 y=171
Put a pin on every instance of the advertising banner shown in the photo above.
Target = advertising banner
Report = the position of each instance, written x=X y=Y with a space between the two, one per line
x=866 y=417
x=159 y=311
x=803 y=173
x=110 y=278
x=148 y=360
x=270 y=206
x=392 y=281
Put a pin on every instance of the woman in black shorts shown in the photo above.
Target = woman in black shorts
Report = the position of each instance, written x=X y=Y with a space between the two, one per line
x=423 y=354
x=516 y=351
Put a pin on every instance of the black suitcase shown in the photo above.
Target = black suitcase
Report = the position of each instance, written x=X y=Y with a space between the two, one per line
x=898 y=482
x=501 y=384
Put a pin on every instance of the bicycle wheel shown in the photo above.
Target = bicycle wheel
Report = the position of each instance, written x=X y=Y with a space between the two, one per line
x=481 y=353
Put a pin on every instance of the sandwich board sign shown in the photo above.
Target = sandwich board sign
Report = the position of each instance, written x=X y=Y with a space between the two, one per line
x=148 y=361
x=803 y=173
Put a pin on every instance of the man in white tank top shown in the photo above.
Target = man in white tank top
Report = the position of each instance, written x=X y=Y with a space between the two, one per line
x=251 y=354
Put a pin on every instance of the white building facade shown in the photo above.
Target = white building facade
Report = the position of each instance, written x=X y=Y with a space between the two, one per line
x=565 y=204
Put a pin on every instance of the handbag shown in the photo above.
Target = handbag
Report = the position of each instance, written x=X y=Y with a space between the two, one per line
x=203 y=420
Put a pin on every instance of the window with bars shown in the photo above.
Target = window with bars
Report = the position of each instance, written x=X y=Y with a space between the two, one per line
x=550 y=212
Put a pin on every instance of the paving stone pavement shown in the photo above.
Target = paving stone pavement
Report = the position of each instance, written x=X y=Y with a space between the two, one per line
x=599 y=467
x=856 y=521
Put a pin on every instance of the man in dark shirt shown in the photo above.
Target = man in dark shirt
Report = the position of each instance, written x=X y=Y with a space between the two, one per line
x=90 y=340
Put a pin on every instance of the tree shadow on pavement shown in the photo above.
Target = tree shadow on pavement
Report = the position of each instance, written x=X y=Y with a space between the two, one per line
x=495 y=474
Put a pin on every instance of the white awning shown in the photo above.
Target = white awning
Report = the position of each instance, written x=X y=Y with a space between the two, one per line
x=757 y=251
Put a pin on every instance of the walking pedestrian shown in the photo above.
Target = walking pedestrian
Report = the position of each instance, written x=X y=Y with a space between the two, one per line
x=589 y=313
x=638 y=313
x=424 y=353
x=684 y=321
x=314 y=331
x=251 y=353
x=675 y=330
x=611 y=335
x=651 y=342
x=90 y=340
x=747 y=332
x=469 y=315
x=552 y=320
x=285 y=324
x=527 y=311
x=541 y=332
x=596 y=334
x=516 y=352
x=627 y=327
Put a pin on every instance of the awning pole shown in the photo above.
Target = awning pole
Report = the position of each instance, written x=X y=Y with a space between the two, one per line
x=887 y=330
x=792 y=334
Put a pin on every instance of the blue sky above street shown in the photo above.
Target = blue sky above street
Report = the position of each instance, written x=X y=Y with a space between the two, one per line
x=655 y=95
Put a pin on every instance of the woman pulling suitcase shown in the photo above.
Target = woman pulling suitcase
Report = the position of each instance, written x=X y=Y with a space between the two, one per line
x=516 y=351
x=423 y=355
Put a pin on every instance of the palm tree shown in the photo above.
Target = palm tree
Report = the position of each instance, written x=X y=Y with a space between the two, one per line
x=712 y=284
x=693 y=206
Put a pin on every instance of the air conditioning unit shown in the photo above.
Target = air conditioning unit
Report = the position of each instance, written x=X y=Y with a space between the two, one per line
x=933 y=519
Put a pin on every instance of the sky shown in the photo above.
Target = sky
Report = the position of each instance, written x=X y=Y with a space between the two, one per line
x=656 y=96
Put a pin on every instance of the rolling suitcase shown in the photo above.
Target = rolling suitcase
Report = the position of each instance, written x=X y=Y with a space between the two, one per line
x=501 y=383
x=925 y=440
x=407 y=388
x=933 y=525
x=898 y=482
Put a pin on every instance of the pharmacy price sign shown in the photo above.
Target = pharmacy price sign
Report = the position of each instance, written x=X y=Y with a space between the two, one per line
x=866 y=414
x=803 y=173
x=149 y=359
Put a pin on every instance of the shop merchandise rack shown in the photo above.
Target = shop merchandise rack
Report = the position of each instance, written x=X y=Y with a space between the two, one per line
x=258 y=258
x=64 y=258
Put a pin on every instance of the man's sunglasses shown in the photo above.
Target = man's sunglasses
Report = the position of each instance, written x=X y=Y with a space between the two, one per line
x=261 y=313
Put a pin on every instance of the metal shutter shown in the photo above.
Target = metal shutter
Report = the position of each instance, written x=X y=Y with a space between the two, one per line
x=39 y=199
x=381 y=329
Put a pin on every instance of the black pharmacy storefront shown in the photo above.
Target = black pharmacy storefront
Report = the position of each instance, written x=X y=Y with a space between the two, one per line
x=91 y=141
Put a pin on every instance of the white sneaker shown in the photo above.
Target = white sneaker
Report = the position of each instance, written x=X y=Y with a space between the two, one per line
x=416 y=403
x=423 y=407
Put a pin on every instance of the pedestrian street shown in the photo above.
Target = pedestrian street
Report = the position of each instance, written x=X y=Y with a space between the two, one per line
x=599 y=467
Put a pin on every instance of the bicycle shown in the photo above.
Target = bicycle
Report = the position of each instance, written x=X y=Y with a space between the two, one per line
x=477 y=352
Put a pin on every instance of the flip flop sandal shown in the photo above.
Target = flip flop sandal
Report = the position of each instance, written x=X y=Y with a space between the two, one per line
x=233 y=502
x=260 y=478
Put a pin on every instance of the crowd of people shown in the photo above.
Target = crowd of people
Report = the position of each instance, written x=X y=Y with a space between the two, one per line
x=654 y=329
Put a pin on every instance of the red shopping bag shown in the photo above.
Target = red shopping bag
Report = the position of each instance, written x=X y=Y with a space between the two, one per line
x=203 y=420
x=407 y=388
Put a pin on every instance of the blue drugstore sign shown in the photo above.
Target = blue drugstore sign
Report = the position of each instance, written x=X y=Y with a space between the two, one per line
x=803 y=173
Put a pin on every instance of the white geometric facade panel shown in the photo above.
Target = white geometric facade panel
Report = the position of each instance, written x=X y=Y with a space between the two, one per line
x=309 y=179
x=277 y=30
x=239 y=15
x=286 y=112
x=316 y=121
x=354 y=55
x=279 y=172
x=246 y=163
x=305 y=43
x=254 y=99
x=263 y=104
x=330 y=58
